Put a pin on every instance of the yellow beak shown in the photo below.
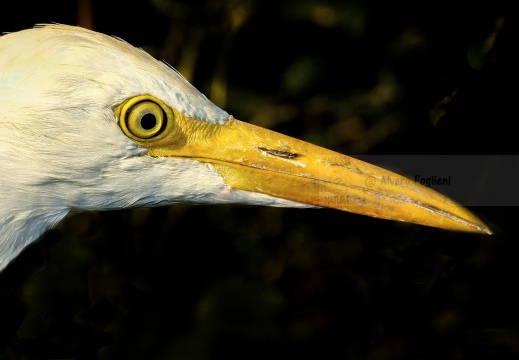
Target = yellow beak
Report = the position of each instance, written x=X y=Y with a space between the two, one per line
x=255 y=159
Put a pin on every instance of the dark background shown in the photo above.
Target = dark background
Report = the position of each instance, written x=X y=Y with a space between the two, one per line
x=202 y=282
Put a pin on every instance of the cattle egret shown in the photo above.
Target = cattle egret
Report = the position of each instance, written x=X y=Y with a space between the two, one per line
x=88 y=122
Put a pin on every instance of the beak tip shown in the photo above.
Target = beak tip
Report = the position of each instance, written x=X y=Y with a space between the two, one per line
x=486 y=230
x=479 y=226
x=475 y=225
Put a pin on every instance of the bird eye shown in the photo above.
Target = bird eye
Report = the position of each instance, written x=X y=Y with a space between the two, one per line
x=143 y=117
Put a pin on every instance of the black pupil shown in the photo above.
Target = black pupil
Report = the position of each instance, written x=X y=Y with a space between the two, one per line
x=148 y=121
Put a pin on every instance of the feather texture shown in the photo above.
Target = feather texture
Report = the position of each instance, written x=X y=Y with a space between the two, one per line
x=61 y=148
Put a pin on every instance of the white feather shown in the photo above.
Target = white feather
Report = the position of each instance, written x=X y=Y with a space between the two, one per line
x=61 y=149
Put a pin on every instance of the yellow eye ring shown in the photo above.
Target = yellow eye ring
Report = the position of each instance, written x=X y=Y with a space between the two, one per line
x=144 y=117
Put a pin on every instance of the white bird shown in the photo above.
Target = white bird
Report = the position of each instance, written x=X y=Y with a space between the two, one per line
x=88 y=122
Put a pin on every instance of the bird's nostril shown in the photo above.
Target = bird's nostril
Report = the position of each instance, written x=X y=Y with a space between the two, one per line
x=279 y=153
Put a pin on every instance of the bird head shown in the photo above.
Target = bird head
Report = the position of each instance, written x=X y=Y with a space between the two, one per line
x=88 y=122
